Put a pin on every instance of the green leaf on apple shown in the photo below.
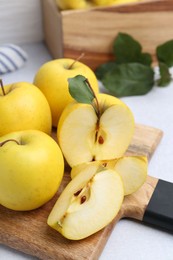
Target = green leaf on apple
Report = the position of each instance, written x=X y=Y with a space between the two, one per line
x=80 y=90
x=129 y=79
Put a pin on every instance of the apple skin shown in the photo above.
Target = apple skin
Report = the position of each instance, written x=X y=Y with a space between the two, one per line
x=103 y=2
x=31 y=171
x=73 y=4
x=24 y=107
x=52 y=80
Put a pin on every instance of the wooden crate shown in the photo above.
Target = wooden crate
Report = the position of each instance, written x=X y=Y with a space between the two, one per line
x=71 y=32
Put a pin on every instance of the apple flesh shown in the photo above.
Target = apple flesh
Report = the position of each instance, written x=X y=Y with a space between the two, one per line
x=23 y=106
x=32 y=168
x=132 y=169
x=84 y=138
x=52 y=80
x=88 y=203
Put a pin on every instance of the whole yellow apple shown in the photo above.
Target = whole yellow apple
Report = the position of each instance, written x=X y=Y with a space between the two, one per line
x=32 y=168
x=23 y=106
x=52 y=80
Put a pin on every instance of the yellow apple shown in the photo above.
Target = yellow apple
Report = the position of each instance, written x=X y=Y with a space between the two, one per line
x=73 y=4
x=103 y=2
x=83 y=137
x=132 y=169
x=88 y=203
x=31 y=169
x=124 y=1
x=112 y=2
x=52 y=80
x=23 y=106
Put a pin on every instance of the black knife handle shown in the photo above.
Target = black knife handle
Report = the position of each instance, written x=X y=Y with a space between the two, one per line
x=159 y=211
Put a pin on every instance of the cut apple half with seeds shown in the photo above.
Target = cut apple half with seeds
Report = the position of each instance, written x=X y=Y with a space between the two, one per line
x=83 y=137
x=88 y=203
x=132 y=169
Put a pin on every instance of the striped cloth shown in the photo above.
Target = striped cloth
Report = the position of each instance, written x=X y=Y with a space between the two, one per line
x=12 y=57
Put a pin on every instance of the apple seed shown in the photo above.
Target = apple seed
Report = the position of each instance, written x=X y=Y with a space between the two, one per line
x=77 y=192
x=83 y=199
x=104 y=164
x=100 y=140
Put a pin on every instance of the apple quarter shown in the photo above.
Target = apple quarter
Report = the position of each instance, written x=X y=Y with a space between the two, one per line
x=88 y=203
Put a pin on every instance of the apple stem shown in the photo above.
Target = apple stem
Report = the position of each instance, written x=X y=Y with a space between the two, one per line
x=78 y=59
x=9 y=140
x=96 y=100
x=2 y=87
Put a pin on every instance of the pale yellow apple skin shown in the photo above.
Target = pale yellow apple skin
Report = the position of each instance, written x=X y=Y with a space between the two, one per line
x=112 y=2
x=77 y=219
x=103 y=2
x=116 y=2
x=24 y=107
x=77 y=130
x=73 y=4
x=52 y=80
x=31 y=171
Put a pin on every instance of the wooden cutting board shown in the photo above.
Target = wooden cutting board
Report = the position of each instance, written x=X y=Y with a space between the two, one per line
x=29 y=233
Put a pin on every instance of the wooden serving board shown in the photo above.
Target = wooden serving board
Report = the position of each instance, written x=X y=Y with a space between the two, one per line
x=28 y=231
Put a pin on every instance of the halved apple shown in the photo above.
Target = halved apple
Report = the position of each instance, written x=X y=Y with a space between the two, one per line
x=88 y=203
x=132 y=169
x=84 y=137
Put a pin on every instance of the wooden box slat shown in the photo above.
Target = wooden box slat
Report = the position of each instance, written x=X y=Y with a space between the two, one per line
x=68 y=33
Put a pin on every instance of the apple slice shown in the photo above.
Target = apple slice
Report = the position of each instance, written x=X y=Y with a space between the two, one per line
x=84 y=136
x=132 y=169
x=88 y=203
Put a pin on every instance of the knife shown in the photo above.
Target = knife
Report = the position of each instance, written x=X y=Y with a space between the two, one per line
x=152 y=204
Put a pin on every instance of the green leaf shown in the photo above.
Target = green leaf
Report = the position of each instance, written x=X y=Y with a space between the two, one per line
x=145 y=59
x=104 y=68
x=165 y=76
x=164 y=53
x=80 y=90
x=126 y=49
x=129 y=79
